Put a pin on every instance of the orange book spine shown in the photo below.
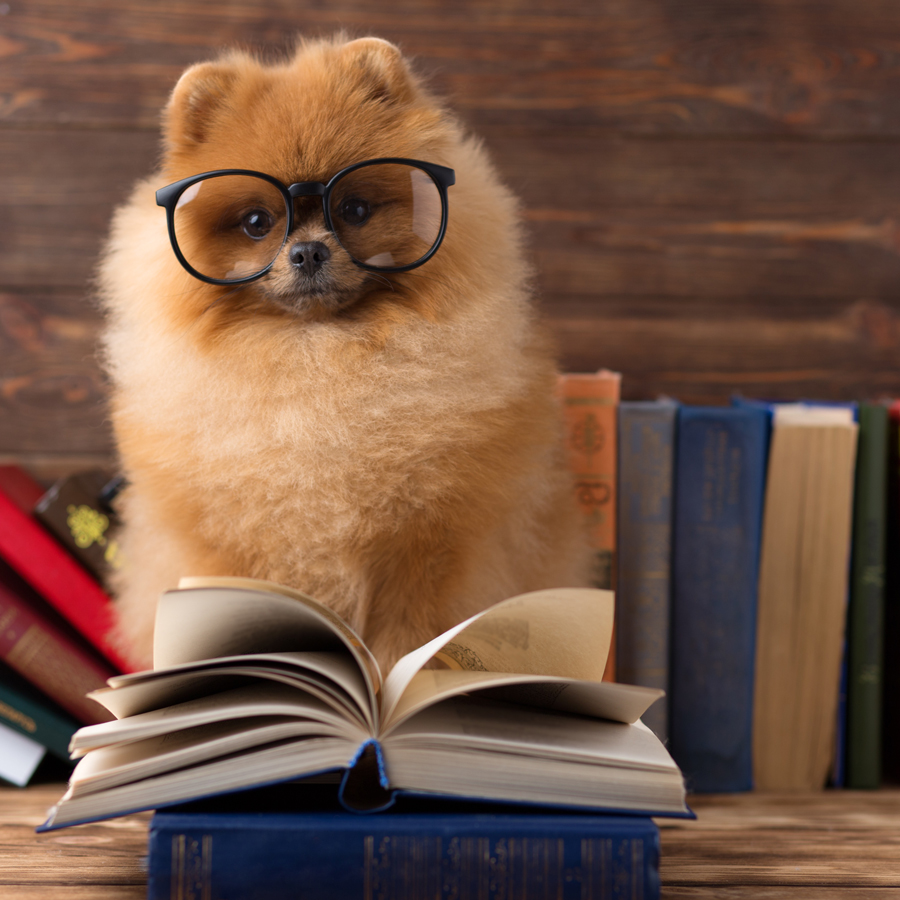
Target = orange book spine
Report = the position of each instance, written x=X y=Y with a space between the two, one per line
x=590 y=404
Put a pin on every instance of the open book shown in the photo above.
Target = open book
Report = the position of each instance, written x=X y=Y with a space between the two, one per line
x=254 y=684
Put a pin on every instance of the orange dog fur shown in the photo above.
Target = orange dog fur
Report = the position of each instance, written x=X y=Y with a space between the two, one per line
x=391 y=447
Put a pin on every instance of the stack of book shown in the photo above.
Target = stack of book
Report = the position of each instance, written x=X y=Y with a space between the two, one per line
x=255 y=684
x=55 y=618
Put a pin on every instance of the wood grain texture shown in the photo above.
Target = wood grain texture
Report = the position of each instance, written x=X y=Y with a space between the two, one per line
x=822 y=846
x=52 y=393
x=687 y=352
x=830 y=840
x=93 y=861
x=644 y=66
x=60 y=190
x=710 y=189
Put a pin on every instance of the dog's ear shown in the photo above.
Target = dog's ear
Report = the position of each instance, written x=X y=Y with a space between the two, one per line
x=381 y=68
x=201 y=91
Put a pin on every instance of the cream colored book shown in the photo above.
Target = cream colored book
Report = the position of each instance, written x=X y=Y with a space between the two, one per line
x=802 y=604
x=256 y=684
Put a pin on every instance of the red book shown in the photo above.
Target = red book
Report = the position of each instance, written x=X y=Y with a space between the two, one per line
x=20 y=487
x=49 y=568
x=44 y=654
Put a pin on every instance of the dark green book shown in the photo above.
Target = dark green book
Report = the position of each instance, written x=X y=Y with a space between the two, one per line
x=865 y=622
x=25 y=709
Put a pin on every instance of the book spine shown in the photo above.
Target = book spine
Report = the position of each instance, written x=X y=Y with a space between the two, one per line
x=719 y=486
x=20 y=487
x=802 y=604
x=890 y=719
x=646 y=454
x=866 y=610
x=58 y=578
x=25 y=712
x=46 y=657
x=73 y=511
x=401 y=857
x=589 y=407
x=589 y=404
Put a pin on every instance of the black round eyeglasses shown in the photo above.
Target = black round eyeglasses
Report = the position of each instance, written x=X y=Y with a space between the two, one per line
x=229 y=226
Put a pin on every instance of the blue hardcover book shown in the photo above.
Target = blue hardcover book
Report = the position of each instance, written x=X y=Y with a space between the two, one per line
x=719 y=492
x=325 y=855
x=646 y=454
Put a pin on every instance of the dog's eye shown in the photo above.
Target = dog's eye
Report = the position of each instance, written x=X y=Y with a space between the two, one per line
x=257 y=224
x=354 y=211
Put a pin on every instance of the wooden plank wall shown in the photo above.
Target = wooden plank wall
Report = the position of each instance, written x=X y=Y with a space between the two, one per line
x=712 y=186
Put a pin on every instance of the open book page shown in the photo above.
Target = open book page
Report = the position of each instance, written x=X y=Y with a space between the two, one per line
x=332 y=677
x=118 y=764
x=602 y=699
x=473 y=723
x=252 y=768
x=564 y=632
x=474 y=748
x=212 y=617
x=240 y=703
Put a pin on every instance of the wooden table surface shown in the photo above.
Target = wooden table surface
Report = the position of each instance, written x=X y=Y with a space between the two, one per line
x=801 y=847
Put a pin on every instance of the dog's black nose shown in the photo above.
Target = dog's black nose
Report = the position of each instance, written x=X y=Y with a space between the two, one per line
x=309 y=256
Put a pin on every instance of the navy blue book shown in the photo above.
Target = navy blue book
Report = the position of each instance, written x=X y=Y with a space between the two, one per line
x=323 y=855
x=646 y=455
x=719 y=492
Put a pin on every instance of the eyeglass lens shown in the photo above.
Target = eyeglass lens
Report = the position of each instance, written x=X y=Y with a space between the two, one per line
x=386 y=214
x=231 y=227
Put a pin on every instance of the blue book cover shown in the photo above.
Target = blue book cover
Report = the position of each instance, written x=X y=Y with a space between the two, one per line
x=719 y=493
x=327 y=854
x=646 y=454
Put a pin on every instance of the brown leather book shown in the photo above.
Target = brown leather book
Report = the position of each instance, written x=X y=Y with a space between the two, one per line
x=77 y=511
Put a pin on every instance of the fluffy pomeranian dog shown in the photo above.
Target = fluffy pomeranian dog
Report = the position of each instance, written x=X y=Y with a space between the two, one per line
x=296 y=395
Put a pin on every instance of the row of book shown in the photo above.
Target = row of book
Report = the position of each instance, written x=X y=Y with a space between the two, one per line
x=755 y=578
x=748 y=546
x=55 y=617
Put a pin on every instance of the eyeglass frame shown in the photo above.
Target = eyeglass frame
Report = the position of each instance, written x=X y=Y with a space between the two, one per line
x=168 y=197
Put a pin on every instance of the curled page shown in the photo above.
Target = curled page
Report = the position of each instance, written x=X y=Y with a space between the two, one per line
x=600 y=699
x=213 y=617
x=563 y=633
